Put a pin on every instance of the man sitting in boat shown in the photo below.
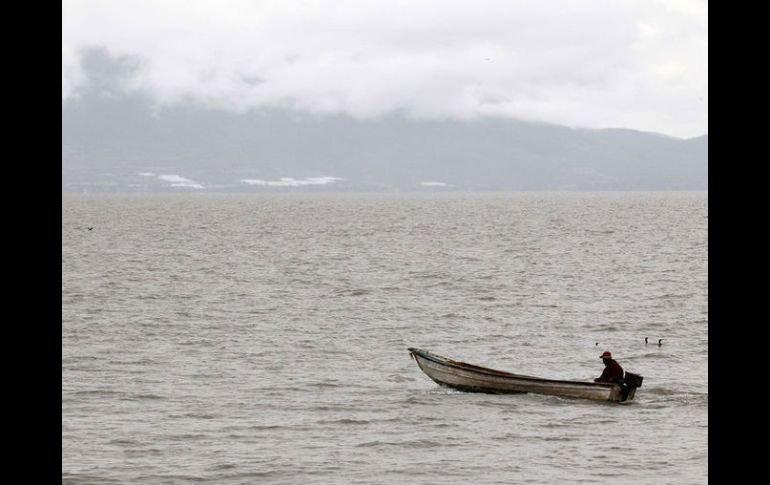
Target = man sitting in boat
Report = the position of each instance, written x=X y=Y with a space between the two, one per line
x=612 y=370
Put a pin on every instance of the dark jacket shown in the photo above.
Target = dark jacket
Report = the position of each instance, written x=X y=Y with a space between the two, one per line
x=612 y=373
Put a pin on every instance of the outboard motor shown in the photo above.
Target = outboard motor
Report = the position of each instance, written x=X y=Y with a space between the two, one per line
x=633 y=380
x=629 y=384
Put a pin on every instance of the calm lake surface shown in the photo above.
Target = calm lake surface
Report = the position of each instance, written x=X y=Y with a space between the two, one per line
x=262 y=338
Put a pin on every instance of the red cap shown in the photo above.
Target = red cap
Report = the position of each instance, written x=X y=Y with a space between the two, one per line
x=607 y=355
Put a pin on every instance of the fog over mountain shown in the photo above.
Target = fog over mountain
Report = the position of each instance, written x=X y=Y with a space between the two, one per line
x=118 y=140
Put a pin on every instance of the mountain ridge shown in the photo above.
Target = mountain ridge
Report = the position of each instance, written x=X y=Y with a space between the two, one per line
x=108 y=140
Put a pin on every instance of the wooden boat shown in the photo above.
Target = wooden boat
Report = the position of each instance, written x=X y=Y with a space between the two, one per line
x=474 y=378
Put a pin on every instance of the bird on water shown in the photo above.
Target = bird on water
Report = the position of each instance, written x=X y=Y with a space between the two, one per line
x=660 y=341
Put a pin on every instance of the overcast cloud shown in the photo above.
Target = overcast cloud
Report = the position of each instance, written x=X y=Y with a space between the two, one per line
x=597 y=64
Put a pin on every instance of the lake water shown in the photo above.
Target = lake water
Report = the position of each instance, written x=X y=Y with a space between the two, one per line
x=262 y=338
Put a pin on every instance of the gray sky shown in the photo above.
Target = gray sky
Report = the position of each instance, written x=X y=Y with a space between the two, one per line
x=629 y=64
